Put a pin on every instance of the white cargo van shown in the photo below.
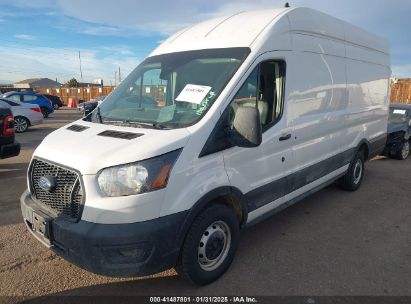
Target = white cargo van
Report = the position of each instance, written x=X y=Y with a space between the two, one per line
x=224 y=124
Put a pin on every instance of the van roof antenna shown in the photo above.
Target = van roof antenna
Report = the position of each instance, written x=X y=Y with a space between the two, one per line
x=287 y=4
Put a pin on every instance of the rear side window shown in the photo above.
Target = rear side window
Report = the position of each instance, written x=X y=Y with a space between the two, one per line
x=29 y=97
x=14 y=97
x=263 y=89
x=11 y=103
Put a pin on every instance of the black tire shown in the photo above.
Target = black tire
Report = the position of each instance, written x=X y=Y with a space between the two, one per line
x=56 y=106
x=351 y=181
x=45 y=112
x=404 y=152
x=192 y=264
x=21 y=124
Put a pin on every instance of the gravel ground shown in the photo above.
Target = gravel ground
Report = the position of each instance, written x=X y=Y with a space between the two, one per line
x=332 y=243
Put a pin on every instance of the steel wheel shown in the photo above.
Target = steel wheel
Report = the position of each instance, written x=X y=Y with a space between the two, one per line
x=357 y=171
x=214 y=246
x=21 y=124
x=405 y=150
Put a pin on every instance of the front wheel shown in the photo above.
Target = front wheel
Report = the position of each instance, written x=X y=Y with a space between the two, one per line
x=210 y=245
x=404 y=152
x=21 y=124
x=351 y=181
x=45 y=112
x=56 y=106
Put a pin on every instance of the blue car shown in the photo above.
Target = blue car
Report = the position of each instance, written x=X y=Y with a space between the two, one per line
x=44 y=103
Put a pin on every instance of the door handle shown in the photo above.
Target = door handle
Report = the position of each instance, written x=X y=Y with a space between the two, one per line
x=285 y=137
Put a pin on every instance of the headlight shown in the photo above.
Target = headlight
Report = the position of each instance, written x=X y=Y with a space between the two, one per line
x=144 y=176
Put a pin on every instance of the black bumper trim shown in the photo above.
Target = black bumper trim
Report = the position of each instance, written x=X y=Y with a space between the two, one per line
x=10 y=150
x=118 y=250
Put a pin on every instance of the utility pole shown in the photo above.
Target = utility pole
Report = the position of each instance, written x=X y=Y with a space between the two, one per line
x=81 y=72
x=119 y=75
x=115 y=78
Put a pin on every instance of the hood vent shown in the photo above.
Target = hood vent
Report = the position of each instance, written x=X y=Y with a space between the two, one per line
x=122 y=135
x=77 y=128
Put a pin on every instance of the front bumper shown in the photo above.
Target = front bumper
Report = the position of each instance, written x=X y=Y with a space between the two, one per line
x=119 y=250
x=10 y=150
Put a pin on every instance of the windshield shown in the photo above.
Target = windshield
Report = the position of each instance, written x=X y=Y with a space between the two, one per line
x=172 y=90
x=397 y=116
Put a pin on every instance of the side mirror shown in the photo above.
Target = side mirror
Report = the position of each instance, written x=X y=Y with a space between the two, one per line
x=247 y=130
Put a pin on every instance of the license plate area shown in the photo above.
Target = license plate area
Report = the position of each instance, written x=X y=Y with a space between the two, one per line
x=41 y=226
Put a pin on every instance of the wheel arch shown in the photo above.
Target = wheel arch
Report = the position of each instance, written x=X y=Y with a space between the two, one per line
x=227 y=195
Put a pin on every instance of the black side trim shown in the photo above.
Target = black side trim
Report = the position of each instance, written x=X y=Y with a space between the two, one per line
x=77 y=128
x=292 y=202
x=122 y=135
x=283 y=186
x=377 y=145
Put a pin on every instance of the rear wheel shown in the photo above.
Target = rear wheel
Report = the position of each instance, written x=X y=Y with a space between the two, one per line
x=210 y=245
x=404 y=152
x=45 y=112
x=351 y=181
x=21 y=124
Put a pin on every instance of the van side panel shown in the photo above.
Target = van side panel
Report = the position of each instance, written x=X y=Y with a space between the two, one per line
x=318 y=102
x=367 y=89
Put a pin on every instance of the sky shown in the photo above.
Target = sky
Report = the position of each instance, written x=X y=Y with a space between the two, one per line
x=43 y=38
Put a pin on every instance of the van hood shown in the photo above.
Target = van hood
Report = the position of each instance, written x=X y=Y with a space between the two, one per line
x=87 y=151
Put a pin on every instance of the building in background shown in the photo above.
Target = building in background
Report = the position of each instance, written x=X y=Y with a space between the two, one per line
x=35 y=83
x=400 y=90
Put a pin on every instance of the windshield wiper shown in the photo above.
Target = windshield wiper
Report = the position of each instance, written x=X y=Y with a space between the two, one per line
x=137 y=124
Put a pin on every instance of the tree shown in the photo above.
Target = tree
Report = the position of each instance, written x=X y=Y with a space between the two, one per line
x=72 y=83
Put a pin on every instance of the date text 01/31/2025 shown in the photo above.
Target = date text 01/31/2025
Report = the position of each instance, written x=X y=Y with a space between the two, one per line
x=205 y=299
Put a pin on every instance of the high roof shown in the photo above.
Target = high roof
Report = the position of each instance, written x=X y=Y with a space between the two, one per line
x=237 y=30
x=245 y=29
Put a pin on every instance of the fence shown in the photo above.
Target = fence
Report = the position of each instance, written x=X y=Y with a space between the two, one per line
x=401 y=90
x=84 y=94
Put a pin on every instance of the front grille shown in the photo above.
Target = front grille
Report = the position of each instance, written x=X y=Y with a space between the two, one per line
x=66 y=198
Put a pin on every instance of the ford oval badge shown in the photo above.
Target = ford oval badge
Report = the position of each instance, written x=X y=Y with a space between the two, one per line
x=47 y=183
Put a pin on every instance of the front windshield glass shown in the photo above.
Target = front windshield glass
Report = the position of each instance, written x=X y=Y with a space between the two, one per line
x=397 y=116
x=172 y=90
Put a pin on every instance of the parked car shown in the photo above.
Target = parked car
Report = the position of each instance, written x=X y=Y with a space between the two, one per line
x=25 y=114
x=56 y=100
x=8 y=146
x=44 y=103
x=399 y=131
x=171 y=182
x=88 y=106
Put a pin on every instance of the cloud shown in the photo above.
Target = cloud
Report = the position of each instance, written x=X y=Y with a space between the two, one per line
x=64 y=63
x=101 y=31
x=401 y=71
x=25 y=37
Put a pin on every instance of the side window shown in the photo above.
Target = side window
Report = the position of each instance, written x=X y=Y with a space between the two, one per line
x=149 y=89
x=264 y=89
x=14 y=97
x=11 y=103
x=29 y=97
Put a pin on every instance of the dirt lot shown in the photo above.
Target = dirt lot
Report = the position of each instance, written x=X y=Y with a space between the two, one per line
x=332 y=243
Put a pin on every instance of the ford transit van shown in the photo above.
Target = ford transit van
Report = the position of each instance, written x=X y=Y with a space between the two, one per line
x=225 y=123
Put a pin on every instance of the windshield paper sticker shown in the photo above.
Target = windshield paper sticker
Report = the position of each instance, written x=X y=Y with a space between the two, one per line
x=397 y=111
x=193 y=93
